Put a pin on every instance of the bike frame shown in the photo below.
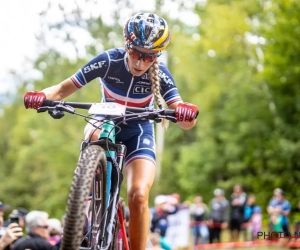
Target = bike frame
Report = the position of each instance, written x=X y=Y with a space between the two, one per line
x=114 y=180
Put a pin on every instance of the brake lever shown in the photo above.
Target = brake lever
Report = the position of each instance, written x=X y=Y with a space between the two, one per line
x=58 y=107
x=58 y=111
x=42 y=109
x=171 y=118
x=66 y=108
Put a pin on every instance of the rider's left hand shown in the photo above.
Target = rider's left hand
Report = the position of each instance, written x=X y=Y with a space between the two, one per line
x=186 y=112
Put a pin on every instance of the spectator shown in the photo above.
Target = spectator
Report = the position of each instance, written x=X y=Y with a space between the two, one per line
x=277 y=222
x=219 y=215
x=248 y=211
x=55 y=230
x=159 y=221
x=285 y=209
x=199 y=212
x=12 y=233
x=237 y=205
x=38 y=233
x=276 y=192
x=256 y=220
x=20 y=214
x=2 y=209
x=250 y=204
x=277 y=219
x=177 y=234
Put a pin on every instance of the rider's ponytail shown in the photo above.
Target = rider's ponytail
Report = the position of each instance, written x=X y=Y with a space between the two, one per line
x=155 y=86
x=155 y=82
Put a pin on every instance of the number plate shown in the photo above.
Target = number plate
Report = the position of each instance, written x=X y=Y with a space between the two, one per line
x=107 y=108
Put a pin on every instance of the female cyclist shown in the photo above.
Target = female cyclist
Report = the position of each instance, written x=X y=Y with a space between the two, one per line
x=133 y=76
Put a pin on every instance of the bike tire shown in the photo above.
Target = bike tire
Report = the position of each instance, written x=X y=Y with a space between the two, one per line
x=92 y=158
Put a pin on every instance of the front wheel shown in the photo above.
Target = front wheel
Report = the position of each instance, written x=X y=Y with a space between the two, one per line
x=91 y=169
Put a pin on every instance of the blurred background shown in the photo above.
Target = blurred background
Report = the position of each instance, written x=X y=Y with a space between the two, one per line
x=237 y=60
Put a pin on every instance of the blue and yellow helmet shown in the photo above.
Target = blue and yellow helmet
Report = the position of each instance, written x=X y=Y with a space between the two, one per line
x=147 y=30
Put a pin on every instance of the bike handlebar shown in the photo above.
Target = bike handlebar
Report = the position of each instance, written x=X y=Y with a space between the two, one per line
x=80 y=105
x=152 y=113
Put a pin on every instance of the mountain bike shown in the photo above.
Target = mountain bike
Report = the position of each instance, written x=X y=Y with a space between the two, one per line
x=99 y=169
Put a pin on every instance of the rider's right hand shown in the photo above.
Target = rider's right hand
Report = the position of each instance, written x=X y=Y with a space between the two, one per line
x=34 y=99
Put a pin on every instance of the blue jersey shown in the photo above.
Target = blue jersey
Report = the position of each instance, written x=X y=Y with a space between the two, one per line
x=134 y=91
x=285 y=206
x=118 y=83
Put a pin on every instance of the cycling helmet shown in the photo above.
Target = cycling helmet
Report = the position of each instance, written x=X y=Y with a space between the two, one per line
x=147 y=30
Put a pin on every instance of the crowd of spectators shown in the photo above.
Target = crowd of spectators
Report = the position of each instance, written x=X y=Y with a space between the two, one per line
x=239 y=214
x=41 y=232
x=174 y=224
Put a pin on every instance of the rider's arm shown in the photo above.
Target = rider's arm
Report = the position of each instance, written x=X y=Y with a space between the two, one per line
x=61 y=90
x=183 y=125
x=97 y=67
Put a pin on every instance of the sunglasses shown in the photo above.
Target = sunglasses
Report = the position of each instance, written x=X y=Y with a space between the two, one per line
x=137 y=55
x=45 y=227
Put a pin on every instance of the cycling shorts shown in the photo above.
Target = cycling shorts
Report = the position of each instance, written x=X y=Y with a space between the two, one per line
x=139 y=140
x=138 y=137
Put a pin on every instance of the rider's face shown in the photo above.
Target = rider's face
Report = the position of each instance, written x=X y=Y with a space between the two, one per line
x=139 y=67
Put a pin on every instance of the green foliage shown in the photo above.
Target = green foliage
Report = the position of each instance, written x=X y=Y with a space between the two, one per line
x=248 y=127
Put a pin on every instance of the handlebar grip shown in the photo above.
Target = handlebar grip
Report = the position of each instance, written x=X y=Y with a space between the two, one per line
x=48 y=102
x=169 y=112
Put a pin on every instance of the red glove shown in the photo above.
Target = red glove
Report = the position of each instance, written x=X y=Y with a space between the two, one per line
x=34 y=99
x=186 y=112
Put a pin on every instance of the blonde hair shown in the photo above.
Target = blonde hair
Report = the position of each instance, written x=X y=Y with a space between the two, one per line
x=155 y=87
x=155 y=83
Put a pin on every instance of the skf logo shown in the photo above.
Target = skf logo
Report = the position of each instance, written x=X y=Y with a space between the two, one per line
x=138 y=89
x=164 y=77
x=93 y=66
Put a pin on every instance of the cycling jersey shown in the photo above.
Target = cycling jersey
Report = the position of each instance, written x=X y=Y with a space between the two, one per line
x=118 y=83
x=134 y=91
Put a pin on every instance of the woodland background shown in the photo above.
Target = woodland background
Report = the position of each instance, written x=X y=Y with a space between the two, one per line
x=240 y=65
